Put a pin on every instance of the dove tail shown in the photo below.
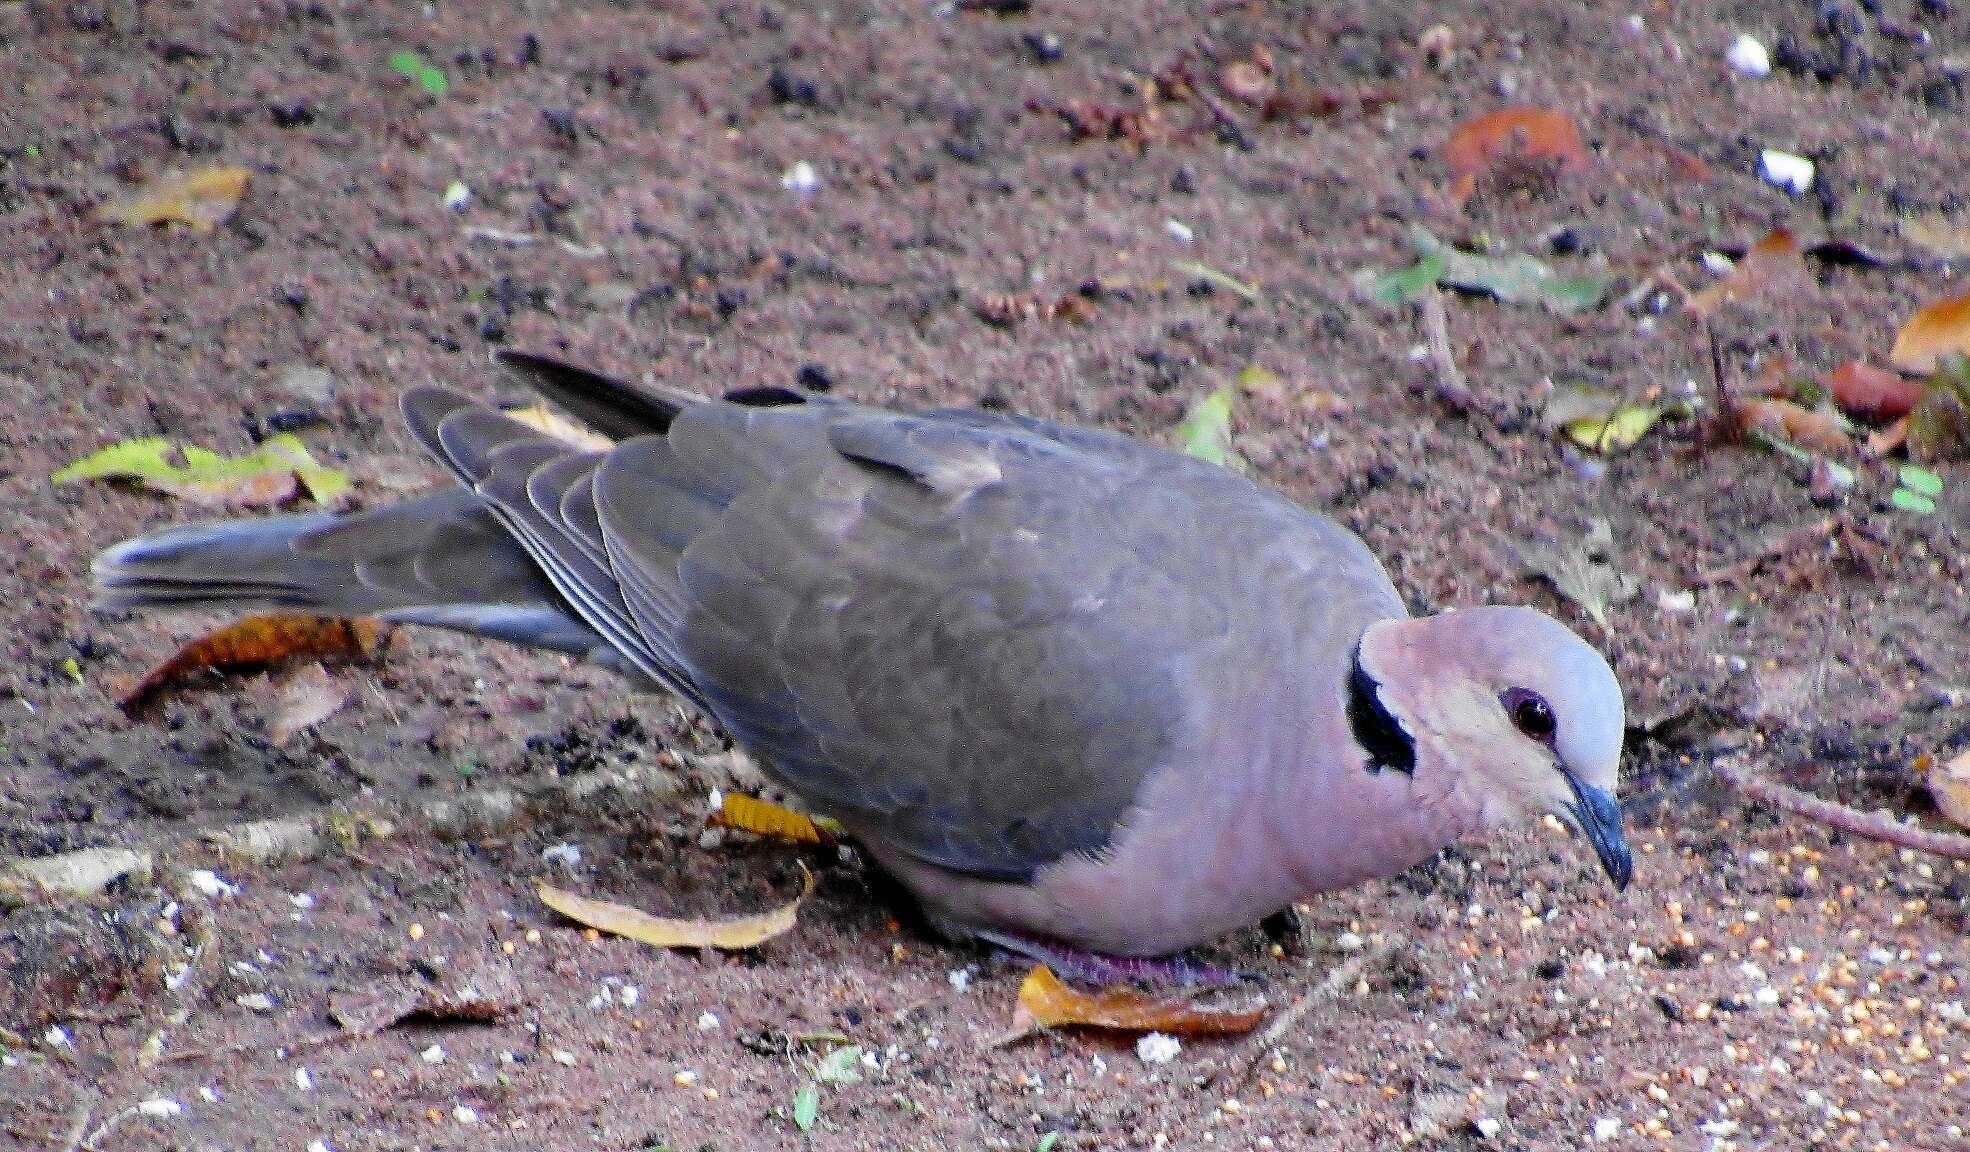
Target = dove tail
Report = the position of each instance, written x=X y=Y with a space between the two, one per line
x=439 y=560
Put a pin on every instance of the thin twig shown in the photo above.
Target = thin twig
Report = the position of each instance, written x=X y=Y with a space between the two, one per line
x=1339 y=978
x=1451 y=387
x=1774 y=549
x=1872 y=825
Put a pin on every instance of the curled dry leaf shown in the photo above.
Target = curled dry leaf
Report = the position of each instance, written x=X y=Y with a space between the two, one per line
x=1876 y=395
x=1796 y=424
x=1047 y=1002
x=201 y=200
x=258 y=641
x=1949 y=783
x=1527 y=133
x=764 y=818
x=271 y=474
x=1772 y=267
x=738 y=932
x=307 y=697
x=1935 y=331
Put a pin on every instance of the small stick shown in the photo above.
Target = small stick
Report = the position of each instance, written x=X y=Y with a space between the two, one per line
x=1872 y=825
x=1785 y=545
x=1451 y=387
x=1337 y=979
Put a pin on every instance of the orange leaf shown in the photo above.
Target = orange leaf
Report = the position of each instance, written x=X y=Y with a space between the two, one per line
x=1529 y=133
x=1796 y=424
x=737 y=932
x=257 y=641
x=200 y=199
x=1773 y=264
x=765 y=818
x=1933 y=332
x=1888 y=439
x=1875 y=394
x=1049 y=1003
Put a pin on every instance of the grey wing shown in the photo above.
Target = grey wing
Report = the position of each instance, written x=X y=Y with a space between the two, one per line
x=951 y=633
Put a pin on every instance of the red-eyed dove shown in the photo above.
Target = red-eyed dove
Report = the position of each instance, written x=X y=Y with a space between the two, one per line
x=1068 y=686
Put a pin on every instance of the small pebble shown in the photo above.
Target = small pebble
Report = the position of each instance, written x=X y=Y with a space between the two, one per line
x=210 y=883
x=1786 y=170
x=1179 y=231
x=707 y=1021
x=801 y=178
x=685 y=1078
x=1156 y=1048
x=160 y=1106
x=304 y=1080
x=464 y=1115
x=435 y=1054
x=255 y=1001
x=567 y=856
x=960 y=978
x=416 y=931
x=1606 y=1128
x=1747 y=57
x=458 y=197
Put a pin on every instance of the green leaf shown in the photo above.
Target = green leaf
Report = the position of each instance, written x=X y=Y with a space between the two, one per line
x=407 y=62
x=1515 y=279
x=433 y=81
x=209 y=476
x=1048 y=1141
x=1921 y=480
x=1393 y=289
x=1198 y=270
x=841 y=1066
x=806 y=1107
x=413 y=65
x=1206 y=428
x=1909 y=501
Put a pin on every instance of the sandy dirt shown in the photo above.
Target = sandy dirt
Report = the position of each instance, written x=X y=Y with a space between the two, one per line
x=1764 y=984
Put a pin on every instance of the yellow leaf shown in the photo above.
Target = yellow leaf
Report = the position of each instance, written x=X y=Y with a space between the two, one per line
x=765 y=818
x=199 y=199
x=541 y=418
x=1619 y=429
x=264 y=477
x=664 y=932
x=1046 y=1001
x=1935 y=331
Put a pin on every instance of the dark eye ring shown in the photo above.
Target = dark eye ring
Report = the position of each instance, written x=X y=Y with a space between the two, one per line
x=1531 y=714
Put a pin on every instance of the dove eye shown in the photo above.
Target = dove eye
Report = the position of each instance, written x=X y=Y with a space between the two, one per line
x=1531 y=714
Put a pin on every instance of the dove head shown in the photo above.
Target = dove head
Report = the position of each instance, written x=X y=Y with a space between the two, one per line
x=1506 y=713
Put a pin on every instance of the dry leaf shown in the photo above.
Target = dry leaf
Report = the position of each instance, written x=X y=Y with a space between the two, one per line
x=1526 y=133
x=272 y=473
x=541 y=418
x=665 y=932
x=1949 y=783
x=765 y=818
x=307 y=697
x=465 y=991
x=1795 y=424
x=200 y=199
x=1872 y=394
x=257 y=641
x=1773 y=266
x=1933 y=332
x=1046 y=1002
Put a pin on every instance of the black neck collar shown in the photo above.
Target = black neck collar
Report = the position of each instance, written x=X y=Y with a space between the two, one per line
x=1375 y=729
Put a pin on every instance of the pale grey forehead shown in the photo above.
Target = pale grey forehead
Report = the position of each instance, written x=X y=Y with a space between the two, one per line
x=1587 y=699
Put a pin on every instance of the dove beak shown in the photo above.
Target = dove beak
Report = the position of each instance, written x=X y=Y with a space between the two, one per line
x=1597 y=814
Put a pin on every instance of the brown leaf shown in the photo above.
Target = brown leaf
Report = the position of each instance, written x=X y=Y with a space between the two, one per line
x=1873 y=394
x=1932 y=333
x=1795 y=423
x=737 y=932
x=1949 y=784
x=470 y=992
x=1046 y=1002
x=1888 y=439
x=765 y=818
x=1476 y=146
x=1772 y=267
x=307 y=697
x=257 y=641
x=199 y=199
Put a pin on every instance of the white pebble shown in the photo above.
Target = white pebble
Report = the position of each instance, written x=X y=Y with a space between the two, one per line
x=1716 y=263
x=160 y=1106
x=255 y=1001
x=1786 y=170
x=563 y=1057
x=304 y=1080
x=630 y=994
x=464 y=1115
x=1606 y=1128
x=208 y=1094
x=458 y=197
x=320 y=1146
x=1349 y=942
x=1675 y=603
x=210 y=883
x=1747 y=57
x=801 y=177
x=707 y=1021
x=1156 y=1048
x=435 y=1054
x=1487 y=1127
x=685 y=1078
x=302 y=900
x=566 y=855
x=56 y=1037
x=1179 y=231
x=960 y=978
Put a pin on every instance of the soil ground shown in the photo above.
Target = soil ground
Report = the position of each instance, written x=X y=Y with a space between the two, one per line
x=1764 y=984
